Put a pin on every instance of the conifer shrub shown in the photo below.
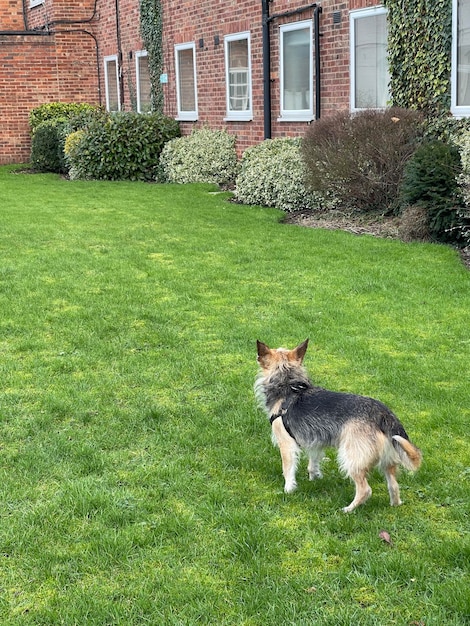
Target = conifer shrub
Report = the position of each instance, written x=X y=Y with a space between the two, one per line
x=272 y=174
x=204 y=156
x=431 y=182
x=126 y=146
x=359 y=159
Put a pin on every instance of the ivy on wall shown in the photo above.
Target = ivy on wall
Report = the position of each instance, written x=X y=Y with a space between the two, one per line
x=151 y=32
x=419 y=53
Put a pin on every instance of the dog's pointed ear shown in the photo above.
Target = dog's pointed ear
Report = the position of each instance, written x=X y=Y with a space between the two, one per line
x=264 y=353
x=301 y=350
x=262 y=348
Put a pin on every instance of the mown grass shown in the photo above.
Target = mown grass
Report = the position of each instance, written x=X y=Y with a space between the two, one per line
x=138 y=481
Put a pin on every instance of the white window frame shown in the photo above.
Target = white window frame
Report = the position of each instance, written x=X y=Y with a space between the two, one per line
x=35 y=3
x=456 y=110
x=107 y=78
x=138 y=55
x=186 y=116
x=232 y=115
x=295 y=115
x=353 y=17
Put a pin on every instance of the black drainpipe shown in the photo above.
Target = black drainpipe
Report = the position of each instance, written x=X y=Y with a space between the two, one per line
x=266 y=69
x=266 y=20
x=316 y=26
x=119 y=46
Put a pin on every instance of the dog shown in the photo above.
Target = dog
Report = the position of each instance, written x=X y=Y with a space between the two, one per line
x=304 y=417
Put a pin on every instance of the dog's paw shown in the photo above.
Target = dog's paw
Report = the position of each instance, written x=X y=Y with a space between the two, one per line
x=290 y=487
x=348 y=509
x=316 y=474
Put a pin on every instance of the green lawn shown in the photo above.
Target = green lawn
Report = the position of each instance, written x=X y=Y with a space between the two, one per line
x=138 y=481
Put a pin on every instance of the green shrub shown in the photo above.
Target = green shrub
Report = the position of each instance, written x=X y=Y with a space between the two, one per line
x=53 y=122
x=463 y=219
x=273 y=174
x=126 y=146
x=431 y=181
x=46 y=146
x=205 y=156
x=54 y=110
x=359 y=159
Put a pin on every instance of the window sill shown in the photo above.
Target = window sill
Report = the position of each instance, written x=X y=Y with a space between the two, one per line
x=186 y=118
x=296 y=118
x=238 y=118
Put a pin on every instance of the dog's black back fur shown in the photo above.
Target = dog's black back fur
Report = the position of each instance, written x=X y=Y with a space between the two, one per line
x=313 y=415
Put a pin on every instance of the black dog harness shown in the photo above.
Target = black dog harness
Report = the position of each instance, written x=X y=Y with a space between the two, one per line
x=274 y=417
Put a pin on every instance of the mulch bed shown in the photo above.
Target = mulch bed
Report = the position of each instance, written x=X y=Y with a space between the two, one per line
x=378 y=225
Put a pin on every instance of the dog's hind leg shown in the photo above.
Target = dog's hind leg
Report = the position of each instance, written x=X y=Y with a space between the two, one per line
x=289 y=454
x=363 y=491
x=315 y=455
x=393 y=488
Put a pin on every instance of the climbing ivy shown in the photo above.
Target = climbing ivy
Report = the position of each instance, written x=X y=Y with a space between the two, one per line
x=419 y=53
x=151 y=33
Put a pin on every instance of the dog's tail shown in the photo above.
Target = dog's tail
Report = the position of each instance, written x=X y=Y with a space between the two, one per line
x=410 y=455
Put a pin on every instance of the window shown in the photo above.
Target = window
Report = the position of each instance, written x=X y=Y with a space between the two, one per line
x=35 y=3
x=369 y=63
x=111 y=79
x=238 y=77
x=296 y=57
x=142 y=74
x=460 y=77
x=186 y=86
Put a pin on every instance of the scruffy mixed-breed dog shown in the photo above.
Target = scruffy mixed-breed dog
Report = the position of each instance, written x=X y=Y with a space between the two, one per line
x=305 y=417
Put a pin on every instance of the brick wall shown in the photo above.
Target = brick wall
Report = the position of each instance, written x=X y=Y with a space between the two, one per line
x=186 y=21
x=67 y=64
x=40 y=68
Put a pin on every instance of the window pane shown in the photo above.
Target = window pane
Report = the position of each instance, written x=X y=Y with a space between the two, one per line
x=186 y=80
x=371 y=65
x=463 y=54
x=296 y=69
x=144 y=84
x=112 y=89
x=238 y=71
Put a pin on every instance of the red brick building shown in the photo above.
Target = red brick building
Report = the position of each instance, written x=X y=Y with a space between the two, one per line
x=264 y=68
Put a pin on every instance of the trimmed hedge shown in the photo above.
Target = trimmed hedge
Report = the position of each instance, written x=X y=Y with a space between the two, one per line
x=61 y=110
x=205 y=156
x=273 y=174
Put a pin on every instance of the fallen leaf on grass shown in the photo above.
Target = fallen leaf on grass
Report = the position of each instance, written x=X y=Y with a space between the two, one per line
x=383 y=534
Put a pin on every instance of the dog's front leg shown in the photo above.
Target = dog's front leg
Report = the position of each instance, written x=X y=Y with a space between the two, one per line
x=289 y=454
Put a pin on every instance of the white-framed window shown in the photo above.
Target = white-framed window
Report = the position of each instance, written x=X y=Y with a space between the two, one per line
x=143 y=85
x=460 y=74
x=186 y=83
x=369 y=62
x=35 y=3
x=111 y=81
x=238 y=77
x=296 y=71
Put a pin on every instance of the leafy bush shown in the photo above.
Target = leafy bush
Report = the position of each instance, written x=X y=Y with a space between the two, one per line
x=54 y=110
x=205 y=156
x=50 y=124
x=273 y=174
x=46 y=146
x=359 y=159
x=126 y=146
x=71 y=149
x=431 y=181
x=463 y=220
